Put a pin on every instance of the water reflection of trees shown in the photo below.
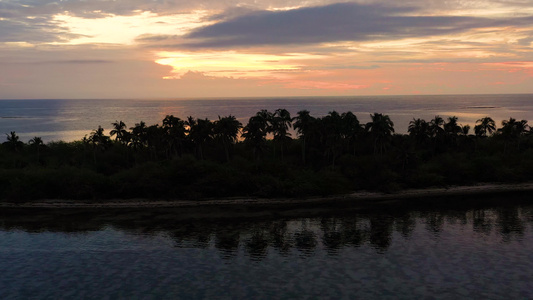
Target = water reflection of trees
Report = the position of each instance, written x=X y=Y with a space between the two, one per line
x=303 y=236
x=510 y=224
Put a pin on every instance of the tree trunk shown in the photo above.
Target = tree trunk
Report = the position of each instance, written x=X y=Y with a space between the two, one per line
x=227 y=151
x=303 y=150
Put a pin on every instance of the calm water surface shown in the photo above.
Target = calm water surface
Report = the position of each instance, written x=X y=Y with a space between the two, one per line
x=450 y=252
x=73 y=119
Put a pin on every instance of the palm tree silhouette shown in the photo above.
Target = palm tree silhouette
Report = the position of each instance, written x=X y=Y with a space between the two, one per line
x=155 y=140
x=36 y=143
x=119 y=131
x=512 y=130
x=381 y=129
x=99 y=140
x=419 y=130
x=436 y=131
x=331 y=135
x=350 y=129
x=138 y=136
x=227 y=129
x=13 y=142
x=254 y=133
x=452 y=130
x=465 y=129
x=451 y=127
x=280 y=122
x=436 y=127
x=484 y=127
x=199 y=132
x=303 y=125
x=174 y=134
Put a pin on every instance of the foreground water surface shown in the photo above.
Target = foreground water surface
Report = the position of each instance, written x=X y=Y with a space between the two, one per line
x=460 y=249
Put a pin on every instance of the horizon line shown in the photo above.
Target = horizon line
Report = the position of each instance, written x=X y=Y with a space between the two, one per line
x=265 y=97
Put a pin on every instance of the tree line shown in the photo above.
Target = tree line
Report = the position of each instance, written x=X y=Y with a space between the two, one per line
x=329 y=154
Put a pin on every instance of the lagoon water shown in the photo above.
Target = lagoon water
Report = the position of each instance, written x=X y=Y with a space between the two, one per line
x=71 y=120
x=458 y=250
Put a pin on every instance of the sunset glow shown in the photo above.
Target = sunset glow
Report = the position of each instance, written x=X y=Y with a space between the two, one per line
x=276 y=48
x=230 y=64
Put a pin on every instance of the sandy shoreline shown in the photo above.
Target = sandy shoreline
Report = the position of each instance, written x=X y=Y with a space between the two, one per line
x=354 y=198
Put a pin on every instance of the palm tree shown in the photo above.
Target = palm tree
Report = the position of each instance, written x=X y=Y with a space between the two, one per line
x=280 y=122
x=512 y=130
x=267 y=116
x=419 y=130
x=254 y=133
x=451 y=127
x=465 y=129
x=138 y=136
x=484 y=127
x=436 y=127
x=174 y=134
x=37 y=143
x=330 y=128
x=155 y=140
x=13 y=142
x=303 y=125
x=452 y=130
x=119 y=131
x=227 y=129
x=381 y=129
x=436 y=131
x=99 y=140
x=350 y=129
x=199 y=132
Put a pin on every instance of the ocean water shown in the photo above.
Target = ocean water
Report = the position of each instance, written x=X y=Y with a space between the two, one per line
x=69 y=120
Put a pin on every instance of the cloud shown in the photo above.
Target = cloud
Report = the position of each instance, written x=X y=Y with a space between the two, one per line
x=526 y=41
x=231 y=13
x=34 y=30
x=333 y=23
x=80 y=61
x=342 y=67
x=152 y=38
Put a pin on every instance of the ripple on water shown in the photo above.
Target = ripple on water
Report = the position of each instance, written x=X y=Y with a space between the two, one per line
x=404 y=254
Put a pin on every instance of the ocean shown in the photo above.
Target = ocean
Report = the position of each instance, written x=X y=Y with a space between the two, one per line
x=69 y=120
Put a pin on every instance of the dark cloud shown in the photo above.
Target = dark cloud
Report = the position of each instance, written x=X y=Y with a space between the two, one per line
x=154 y=38
x=526 y=41
x=62 y=62
x=331 y=23
x=240 y=23
x=39 y=29
x=81 y=61
x=231 y=13
x=104 y=8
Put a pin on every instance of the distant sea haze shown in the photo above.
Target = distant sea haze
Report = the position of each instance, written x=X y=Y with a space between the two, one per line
x=70 y=120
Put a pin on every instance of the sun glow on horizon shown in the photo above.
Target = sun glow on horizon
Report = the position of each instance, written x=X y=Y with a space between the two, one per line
x=231 y=63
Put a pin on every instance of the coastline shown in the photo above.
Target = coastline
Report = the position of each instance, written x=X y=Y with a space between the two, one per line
x=360 y=198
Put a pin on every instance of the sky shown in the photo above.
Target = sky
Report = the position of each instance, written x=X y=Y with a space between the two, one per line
x=249 y=48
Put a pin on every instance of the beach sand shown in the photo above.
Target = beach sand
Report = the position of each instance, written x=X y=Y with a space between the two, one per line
x=356 y=198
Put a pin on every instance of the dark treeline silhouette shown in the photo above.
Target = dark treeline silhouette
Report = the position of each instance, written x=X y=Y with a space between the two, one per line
x=199 y=158
x=257 y=236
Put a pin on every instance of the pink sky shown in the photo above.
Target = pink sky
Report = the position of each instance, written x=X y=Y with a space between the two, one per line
x=206 y=48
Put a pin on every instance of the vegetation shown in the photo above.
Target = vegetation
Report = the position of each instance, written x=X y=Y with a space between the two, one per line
x=200 y=158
